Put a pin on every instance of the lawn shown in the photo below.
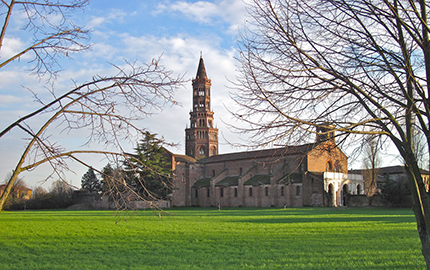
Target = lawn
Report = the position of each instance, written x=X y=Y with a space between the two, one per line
x=205 y=238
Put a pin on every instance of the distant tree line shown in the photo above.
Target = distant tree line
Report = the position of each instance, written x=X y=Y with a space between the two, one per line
x=144 y=176
x=59 y=196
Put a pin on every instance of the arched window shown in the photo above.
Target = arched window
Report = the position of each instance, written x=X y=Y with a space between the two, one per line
x=235 y=192
x=250 y=192
x=240 y=171
x=267 y=191
x=213 y=173
x=282 y=191
x=214 y=150
x=329 y=166
x=221 y=192
x=202 y=150
x=298 y=190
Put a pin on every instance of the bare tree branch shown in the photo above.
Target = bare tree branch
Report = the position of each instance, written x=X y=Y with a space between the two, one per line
x=362 y=66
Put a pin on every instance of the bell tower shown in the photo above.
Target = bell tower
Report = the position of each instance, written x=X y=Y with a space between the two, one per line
x=201 y=138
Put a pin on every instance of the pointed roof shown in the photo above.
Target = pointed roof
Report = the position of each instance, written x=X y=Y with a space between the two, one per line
x=201 y=71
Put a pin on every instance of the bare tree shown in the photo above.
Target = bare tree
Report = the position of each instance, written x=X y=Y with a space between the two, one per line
x=106 y=107
x=362 y=66
x=371 y=164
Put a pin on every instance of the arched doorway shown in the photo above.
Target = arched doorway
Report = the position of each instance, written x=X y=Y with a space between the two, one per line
x=345 y=195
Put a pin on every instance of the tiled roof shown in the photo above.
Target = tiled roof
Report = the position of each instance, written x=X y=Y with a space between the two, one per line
x=257 y=180
x=398 y=169
x=185 y=158
x=291 y=178
x=21 y=188
x=228 y=181
x=275 y=152
x=205 y=182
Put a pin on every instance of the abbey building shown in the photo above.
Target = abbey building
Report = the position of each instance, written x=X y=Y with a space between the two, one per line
x=313 y=174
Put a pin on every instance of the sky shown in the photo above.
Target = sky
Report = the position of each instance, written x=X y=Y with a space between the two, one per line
x=131 y=30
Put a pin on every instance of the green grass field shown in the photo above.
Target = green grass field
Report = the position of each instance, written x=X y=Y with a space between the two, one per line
x=205 y=238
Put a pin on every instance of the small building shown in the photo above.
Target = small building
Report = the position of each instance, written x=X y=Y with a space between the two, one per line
x=395 y=173
x=18 y=192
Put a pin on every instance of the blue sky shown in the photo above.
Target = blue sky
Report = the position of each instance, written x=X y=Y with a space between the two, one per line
x=132 y=30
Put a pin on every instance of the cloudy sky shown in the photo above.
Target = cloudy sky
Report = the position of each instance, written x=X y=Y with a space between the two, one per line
x=132 y=30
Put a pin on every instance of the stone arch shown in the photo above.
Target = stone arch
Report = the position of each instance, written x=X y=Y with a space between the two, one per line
x=202 y=150
x=345 y=195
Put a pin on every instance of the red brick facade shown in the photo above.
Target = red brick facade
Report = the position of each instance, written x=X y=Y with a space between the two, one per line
x=291 y=177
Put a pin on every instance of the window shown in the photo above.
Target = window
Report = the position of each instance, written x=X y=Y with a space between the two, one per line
x=282 y=191
x=267 y=191
x=235 y=192
x=213 y=173
x=240 y=171
x=302 y=167
x=202 y=150
x=208 y=193
x=298 y=191
x=250 y=192
x=197 y=193
x=221 y=192
x=329 y=167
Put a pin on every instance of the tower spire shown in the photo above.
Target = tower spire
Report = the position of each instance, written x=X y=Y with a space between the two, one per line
x=201 y=137
x=201 y=70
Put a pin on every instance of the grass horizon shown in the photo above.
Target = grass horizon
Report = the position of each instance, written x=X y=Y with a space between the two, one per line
x=196 y=238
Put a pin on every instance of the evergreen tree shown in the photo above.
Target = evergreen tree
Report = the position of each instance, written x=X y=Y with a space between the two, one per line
x=90 y=182
x=149 y=172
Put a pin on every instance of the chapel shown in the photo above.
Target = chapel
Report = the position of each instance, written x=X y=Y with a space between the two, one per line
x=314 y=174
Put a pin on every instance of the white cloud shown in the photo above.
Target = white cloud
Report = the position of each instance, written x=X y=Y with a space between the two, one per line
x=11 y=47
x=6 y=100
x=232 y=12
x=111 y=16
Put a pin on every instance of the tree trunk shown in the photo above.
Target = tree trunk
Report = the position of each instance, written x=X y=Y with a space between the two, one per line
x=425 y=243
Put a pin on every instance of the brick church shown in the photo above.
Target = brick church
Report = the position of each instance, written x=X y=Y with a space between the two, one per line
x=313 y=174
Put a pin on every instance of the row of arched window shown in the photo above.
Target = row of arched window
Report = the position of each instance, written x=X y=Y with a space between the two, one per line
x=201 y=92
x=202 y=151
